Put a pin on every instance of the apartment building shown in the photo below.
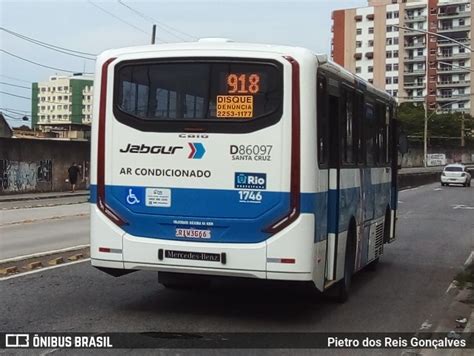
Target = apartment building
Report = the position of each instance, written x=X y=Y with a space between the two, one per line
x=63 y=105
x=383 y=44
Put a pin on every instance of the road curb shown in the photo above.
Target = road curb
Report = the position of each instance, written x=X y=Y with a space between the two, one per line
x=42 y=261
x=44 y=253
x=6 y=199
x=461 y=306
x=8 y=271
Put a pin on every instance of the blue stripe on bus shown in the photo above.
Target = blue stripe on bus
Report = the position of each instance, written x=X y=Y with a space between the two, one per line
x=234 y=222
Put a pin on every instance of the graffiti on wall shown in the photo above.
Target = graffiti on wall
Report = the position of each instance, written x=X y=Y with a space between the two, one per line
x=16 y=176
x=45 y=170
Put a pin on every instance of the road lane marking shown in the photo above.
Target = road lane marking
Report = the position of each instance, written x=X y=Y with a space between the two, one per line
x=426 y=325
x=462 y=206
x=469 y=259
x=45 y=253
x=42 y=270
x=408 y=190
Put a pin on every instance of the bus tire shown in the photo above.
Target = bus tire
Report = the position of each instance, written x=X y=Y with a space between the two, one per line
x=386 y=227
x=344 y=285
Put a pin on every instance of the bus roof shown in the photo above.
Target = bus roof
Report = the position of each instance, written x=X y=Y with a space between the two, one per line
x=227 y=44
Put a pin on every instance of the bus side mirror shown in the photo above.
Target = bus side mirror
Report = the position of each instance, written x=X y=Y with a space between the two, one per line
x=402 y=143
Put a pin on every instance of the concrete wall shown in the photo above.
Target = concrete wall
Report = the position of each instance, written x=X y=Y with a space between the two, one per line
x=29 y=165
x=414 y=157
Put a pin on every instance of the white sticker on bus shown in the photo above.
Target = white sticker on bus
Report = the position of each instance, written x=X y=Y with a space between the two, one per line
x=158 y=197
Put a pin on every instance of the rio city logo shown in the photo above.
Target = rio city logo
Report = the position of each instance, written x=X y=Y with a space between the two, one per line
x=250 y=180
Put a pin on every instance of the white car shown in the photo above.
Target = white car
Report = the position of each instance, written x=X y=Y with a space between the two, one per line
x=456 y=174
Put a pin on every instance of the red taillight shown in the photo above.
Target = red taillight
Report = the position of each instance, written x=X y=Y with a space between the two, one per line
x=101 y=149
x=294 y=211
x=104 y=249
x=288 y=260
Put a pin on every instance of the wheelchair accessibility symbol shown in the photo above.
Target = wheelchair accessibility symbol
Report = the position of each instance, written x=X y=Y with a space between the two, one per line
x=132 y=198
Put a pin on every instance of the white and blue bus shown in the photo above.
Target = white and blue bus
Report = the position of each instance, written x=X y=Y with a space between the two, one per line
x=227 y=159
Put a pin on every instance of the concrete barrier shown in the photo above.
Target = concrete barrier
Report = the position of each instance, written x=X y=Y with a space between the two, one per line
x=415 y=179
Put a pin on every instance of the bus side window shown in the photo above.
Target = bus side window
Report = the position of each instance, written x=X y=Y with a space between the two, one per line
x=322 y=121
x=347 y=133
x=334 y=146
x=390 y=114
x=369 y=134
x=387 y=134
x=357 y=128
x=380 y=132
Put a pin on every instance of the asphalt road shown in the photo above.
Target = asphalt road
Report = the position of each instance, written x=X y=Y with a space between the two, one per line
x=43 y=235
x=25 y=231
x=435 y=236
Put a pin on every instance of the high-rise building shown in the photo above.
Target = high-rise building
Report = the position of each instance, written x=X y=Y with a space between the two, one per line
x=63 y=105
x=381 y=44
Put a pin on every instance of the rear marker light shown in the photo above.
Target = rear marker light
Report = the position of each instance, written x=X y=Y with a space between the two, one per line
x=109 y=250
x=281 y=260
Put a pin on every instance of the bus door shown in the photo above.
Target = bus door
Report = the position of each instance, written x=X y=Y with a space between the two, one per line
x=334 y=99
x=367 y=191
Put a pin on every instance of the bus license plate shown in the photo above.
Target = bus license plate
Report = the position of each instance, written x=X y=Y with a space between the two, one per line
x=193 y=233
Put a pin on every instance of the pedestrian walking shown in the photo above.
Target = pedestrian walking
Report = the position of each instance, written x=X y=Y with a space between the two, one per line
x=73 y=173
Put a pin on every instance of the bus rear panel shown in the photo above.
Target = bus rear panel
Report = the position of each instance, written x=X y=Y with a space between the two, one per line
x=196 y=165
x=223 y=159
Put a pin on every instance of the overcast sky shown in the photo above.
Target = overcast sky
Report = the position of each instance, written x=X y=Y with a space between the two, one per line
x=81 y=26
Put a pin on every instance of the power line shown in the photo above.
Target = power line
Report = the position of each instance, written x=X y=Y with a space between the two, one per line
x=13 y=78
x=15 y=118
x=39 y=64
x=117 y=17
x=42 y=102
x=158 y=23
x=14 y=85
x=16 y=111
x=18 y=96
x=47 y=45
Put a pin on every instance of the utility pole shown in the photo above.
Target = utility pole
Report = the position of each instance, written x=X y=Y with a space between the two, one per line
x=153 y=34
x=462 y=130
x=425 y=127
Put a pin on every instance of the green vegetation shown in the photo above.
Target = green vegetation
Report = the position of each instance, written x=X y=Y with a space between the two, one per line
x=465 y=277
x=447 y=126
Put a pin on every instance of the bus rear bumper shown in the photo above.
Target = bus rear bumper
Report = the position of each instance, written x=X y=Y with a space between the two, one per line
x=127 y=266
x=288 y=255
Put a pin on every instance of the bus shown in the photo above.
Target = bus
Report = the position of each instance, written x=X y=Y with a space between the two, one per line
x=224 y=159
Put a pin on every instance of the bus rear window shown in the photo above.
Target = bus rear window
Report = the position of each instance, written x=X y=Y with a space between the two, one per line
x=211 y=94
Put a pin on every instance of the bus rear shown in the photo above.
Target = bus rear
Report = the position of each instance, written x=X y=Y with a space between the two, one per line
x=195 y=163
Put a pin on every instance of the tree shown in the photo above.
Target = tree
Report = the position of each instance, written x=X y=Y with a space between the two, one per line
x=447 y=125
x=411 y=118
x=23 y=128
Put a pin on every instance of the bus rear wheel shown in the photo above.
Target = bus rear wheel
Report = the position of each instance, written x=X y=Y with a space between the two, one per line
x=344 y=285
